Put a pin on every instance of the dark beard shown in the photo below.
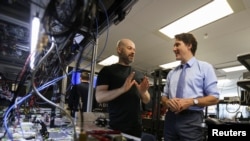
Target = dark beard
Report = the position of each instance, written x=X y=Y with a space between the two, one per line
x=125 y=59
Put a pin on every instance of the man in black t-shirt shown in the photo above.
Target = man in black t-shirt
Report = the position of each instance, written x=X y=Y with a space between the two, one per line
x=123 y=88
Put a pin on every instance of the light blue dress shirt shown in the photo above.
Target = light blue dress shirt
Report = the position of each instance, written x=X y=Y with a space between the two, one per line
x=200 y=80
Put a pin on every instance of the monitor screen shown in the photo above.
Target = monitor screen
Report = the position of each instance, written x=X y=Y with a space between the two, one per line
x=75 y=78
x=94 y=81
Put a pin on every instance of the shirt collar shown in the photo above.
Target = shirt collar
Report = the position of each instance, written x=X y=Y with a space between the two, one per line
x=189 y=63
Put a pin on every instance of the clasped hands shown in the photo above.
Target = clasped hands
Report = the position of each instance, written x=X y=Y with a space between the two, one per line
x=177 y=105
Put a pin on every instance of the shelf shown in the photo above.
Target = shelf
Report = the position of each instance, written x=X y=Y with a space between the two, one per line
x=244 y=59
x=245 y=84
x=228 y=102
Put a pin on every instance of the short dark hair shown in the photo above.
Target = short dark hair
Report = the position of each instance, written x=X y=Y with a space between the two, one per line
x=85 y=75
x=188 y=39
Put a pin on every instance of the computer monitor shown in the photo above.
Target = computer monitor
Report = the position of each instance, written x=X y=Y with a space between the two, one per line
x=75 y=78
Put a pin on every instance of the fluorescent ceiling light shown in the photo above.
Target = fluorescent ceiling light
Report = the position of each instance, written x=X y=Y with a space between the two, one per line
x=170 y=65
x=211 y=12
x=34 y=39
x=109 y=61
x=236 y=68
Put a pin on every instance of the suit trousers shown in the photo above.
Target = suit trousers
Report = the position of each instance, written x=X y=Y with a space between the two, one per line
x=184 y=126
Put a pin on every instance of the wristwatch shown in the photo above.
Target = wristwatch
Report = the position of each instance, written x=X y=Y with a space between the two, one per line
x=196 y=102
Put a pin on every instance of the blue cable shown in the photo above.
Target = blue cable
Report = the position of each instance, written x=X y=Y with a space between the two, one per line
x=53 y=81
x=26 y=97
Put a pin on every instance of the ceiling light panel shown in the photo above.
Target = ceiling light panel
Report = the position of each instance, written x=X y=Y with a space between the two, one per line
x=109 y=61
x=211 y=12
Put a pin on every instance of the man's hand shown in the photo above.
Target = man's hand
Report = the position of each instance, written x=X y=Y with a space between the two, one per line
x=143 y=86
x=185 y=103
x=129 y=82
x=179 y=104
x=174 y=105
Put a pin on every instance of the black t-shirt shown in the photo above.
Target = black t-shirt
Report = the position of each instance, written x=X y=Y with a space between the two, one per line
x=124 y=111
